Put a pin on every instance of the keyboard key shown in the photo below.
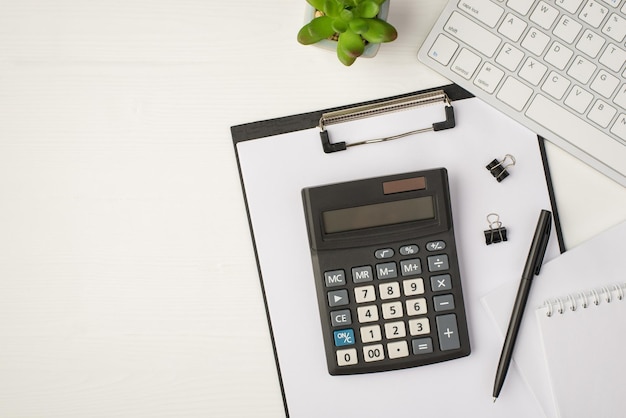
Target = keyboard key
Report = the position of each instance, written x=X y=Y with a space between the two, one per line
x=472 y=34
x=559 y=55
x=581 y=69
x=443 y=49
x=520 y=6
x=579 y=99
x=364 y=294
x=514 y=93
x=580 y=134
x=533 y=71
x=593 y=13
x=601 y=113
x=488 y=77
x=555 y=85
x=466 y=63
x=544 y=15
x=567 y=29
x=619 y=127
x=392 y=310
x=620 y=97
x=590 y=43
x=569 y=5
x=615 y=27
x=613 y=57
x=535 y=41
x=484 y=10
x=512 y=27
x=509 y=57
x=605 y=83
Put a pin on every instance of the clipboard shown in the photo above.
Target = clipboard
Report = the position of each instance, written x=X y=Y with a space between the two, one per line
x=278 y=157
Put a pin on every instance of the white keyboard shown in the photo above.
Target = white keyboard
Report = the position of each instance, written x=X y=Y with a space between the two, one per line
x=557 y=67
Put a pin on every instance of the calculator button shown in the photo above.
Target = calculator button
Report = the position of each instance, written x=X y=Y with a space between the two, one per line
x=392 y=310
x=347 y=357
x=344 y=337
x=362 y=274
x=373 y=353
x=448 y=332
x=341 y=318
x=395 y=330
x=389 y=290
x=419 y=326
x=371 y=333
x=435 y=245
x=386 y=270
x=338 y=298
x=411 y=267
x=364 y=294
x=443 y=303
x=440 y=282
x=413 y=287
x=422 y=345
x=384 y=253
x=409 y=249
x=398 y=349
x=335 y=278
x=416 y=306
x=438 y=262
x=367 y=313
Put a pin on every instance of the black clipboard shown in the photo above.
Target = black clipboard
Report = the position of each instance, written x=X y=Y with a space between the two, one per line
x=286 y=134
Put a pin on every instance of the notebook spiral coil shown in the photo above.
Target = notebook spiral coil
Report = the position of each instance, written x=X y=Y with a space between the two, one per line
x=585 y=299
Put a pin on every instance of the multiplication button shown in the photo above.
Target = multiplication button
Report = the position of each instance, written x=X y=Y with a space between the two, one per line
x=440 y=282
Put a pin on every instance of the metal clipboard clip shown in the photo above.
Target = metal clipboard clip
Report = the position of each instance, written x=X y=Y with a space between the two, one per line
x=375 y=109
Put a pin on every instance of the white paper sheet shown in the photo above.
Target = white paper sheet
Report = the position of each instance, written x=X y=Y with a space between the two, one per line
x=275 y=169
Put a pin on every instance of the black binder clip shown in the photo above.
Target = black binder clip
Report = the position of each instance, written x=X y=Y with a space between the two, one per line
x=498 y=168
x=496 y=232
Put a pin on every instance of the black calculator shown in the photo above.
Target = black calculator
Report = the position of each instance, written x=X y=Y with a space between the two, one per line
x=386 y=272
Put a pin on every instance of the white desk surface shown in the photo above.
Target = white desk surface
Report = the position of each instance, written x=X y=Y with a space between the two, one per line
x=128 y=284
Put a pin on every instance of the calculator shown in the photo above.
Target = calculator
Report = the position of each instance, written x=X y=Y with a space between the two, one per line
x=386 y=272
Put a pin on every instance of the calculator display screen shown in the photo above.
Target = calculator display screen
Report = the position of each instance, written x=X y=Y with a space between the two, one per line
x=379 y=214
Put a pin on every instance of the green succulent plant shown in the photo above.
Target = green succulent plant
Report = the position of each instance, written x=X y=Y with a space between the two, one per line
x=355 y=23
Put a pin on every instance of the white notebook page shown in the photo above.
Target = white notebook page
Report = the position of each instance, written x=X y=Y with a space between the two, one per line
x=584 y=351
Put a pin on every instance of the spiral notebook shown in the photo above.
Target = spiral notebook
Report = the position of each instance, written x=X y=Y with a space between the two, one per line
x=584 y=337
x=572 y=361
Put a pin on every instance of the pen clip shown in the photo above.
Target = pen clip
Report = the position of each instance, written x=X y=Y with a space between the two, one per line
x=543 y=244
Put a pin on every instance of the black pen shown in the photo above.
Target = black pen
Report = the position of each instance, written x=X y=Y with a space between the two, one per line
x=531 y=269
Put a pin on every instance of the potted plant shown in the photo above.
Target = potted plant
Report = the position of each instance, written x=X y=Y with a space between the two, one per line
x=353 y=28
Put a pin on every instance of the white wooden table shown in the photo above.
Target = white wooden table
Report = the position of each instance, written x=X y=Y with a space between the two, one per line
x=128 y=284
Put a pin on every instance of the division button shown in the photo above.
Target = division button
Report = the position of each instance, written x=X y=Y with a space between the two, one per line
x=438 y=262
